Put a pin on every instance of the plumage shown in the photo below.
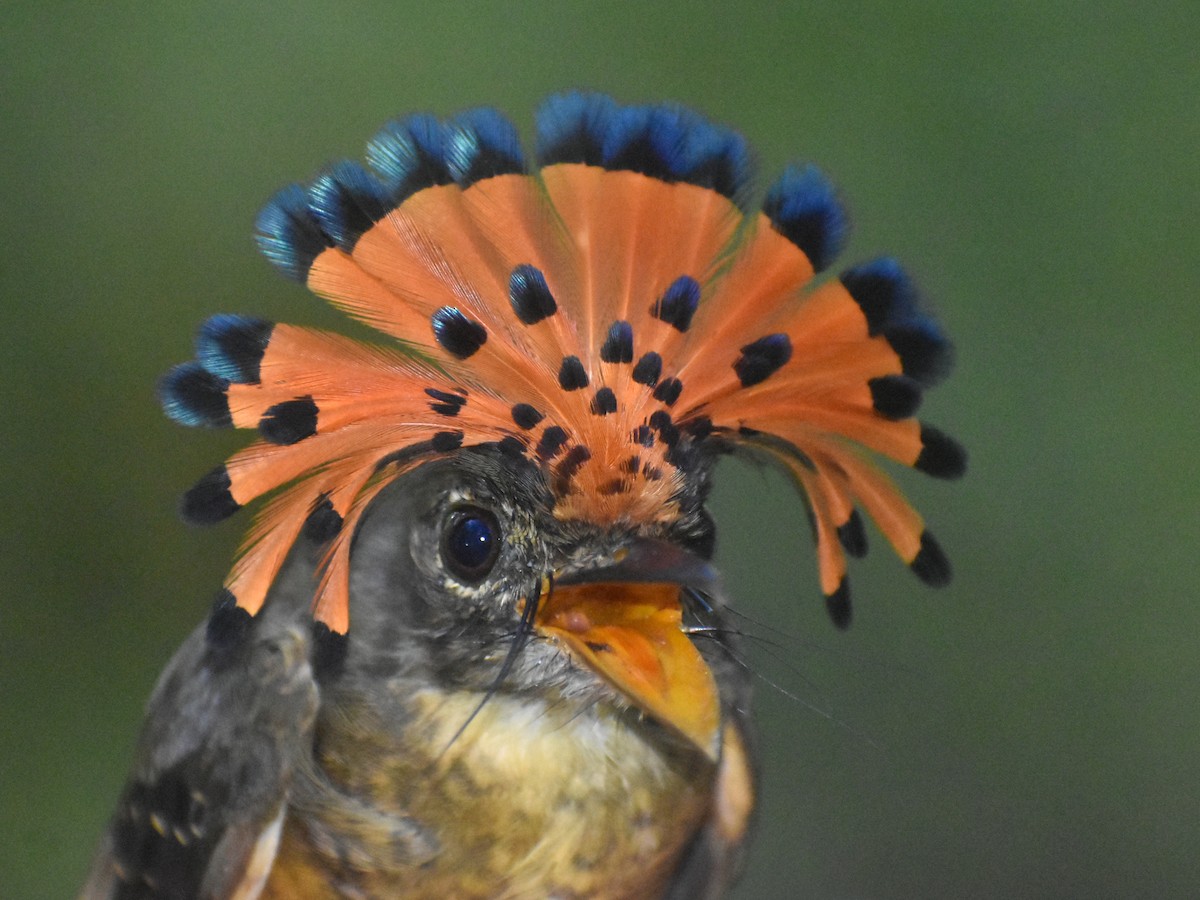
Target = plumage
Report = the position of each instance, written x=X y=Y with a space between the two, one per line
x=521 y=290
x=577 y=341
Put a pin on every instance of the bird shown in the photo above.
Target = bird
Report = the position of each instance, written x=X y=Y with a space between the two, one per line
x=474 y=644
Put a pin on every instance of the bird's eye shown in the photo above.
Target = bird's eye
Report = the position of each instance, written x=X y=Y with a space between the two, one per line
x=470 y=543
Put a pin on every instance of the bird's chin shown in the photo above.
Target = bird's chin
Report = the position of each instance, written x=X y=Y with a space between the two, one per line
x=631 y=635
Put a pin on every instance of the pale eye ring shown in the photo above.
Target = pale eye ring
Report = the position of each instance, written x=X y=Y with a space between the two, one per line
x=471 y=542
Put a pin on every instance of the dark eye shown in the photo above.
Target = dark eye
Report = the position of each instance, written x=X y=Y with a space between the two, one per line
x=470 y=543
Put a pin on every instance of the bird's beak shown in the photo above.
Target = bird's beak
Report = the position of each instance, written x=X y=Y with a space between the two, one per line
x=624 y=620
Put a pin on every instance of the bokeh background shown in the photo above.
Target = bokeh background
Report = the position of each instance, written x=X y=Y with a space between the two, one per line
x=1031 y=731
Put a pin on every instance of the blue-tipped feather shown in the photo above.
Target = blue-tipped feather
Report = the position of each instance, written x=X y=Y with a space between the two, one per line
x=409 y=155
x=288 y=234
x=889 y=301
x=803 y=207
x=718 y=158
x=627 y=140
x=345 y=201
x=571 y=128
x=192 y=395
x=677 y=144
x=231 y=346
x=666 y=142
x=481 y=143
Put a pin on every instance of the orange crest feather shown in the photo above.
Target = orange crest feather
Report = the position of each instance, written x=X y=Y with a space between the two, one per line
x=592 y=314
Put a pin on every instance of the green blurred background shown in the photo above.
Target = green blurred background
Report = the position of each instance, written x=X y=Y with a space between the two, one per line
x=1031 y=731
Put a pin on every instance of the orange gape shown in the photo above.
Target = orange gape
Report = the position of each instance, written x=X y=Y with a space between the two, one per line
x=603 y=313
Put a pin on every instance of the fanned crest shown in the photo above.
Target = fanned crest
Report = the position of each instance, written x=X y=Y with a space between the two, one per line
x=606 y=313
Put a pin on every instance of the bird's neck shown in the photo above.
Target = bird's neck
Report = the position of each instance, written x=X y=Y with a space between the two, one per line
x=534 y=793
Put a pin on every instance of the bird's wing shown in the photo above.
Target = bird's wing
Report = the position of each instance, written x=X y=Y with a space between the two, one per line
x=203 y=808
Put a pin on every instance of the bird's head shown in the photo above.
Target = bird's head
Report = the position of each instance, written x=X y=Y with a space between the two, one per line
x=463 y=576
x=517 y=477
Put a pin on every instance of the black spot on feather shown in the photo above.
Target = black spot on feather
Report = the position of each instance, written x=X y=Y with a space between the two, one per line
x=411 y=453
x=511 y=446
x=323 y=523
x=614 y=486
x=571 y=375
x=526 y=416
x=895 y=396
x=458 y=335
x=762 y=359
x=289 y=422
x=209 y=500
x=941 y=456
x=551 y=442
x=446 y=441
x=880 y=288
x=925 y=354
x=648 y=369
x=445 y=403
x=890 y=304
x=643 y=435
x=530 y=295
x=661 y=422
x=930 y=564
x=678 y=303
x=838 y=606
x=668 y=391
x=568 y=466
x=618 y=346
x=604 y=402
x=699 y=428
x=852 y=535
